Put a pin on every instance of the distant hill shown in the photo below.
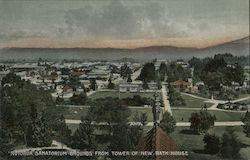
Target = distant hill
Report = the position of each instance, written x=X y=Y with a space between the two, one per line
x=239 y=47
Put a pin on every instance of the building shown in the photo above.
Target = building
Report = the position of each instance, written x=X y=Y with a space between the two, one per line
x=157 y=140
x=182 y=63
x=152 y=86
x=135 y=86
x=180 y=84
x=159 y=62
x=98 y=74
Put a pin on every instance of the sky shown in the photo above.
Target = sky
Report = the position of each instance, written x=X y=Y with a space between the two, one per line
x=121 y=23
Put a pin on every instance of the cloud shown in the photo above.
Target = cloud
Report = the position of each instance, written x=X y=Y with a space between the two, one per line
x=7 y=37
x=118 y=20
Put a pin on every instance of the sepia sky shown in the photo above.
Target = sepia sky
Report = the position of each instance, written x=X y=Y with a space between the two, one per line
x=121 y=24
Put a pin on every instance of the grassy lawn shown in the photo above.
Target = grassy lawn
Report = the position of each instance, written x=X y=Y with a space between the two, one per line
x=246 y=101
x=142 y=110
x=220 y=115
x=195 y=145
x=75 y=112
x=192 y=102
x=71 y=114
x=103 y=94
x=243 y=96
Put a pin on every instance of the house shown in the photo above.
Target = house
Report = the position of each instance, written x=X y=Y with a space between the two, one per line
x=152 y=86
x=182 y=63
x=159 y=62
x=98 y=74
x=180 y=84
x=76 y=74
x=135 y=86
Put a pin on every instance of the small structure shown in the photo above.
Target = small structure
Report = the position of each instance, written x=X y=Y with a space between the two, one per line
x=99 y=74
x=152 y=85
x=180 y=84
x=130 y=86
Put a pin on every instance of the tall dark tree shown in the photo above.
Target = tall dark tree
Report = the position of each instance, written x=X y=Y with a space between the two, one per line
x=63 y=133
x=111 y=85
x=120 y=140
x=148 y=73
x=84 y=137
x=145 y=85
x=230 y=145
x=125 y=71
x=168 y=123
x=93 y=84
x=39 y=135
x=162 y=71
x=246 y=121
x=129 y=78
x=212 y=143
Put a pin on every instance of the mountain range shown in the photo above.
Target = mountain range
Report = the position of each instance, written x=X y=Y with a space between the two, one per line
x=238 y=47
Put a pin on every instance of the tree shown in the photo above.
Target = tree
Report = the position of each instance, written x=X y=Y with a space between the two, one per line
x=125 y=71
x=111 y=85
x=129 y=78
x=93 y=84
x=109 y=110
x=230 y=144
x=59 y=101
x=147 y=73
x=62 y=131
x=120 y=140
x=142 y=117
x=246 y=121
x=79 y=99
x=145 y=85
x=84 y=137
x=135 y=135
x=175 y=97
x=39 y=134
x=212 y=143
x=201 y=121
x=167 y=123
x=16 y=101
x=162 y=71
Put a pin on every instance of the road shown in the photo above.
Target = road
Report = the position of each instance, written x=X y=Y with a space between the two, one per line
x=56 y=145
x=150 y=124
x=166 y=103
x=215 y=102
x=135 y=74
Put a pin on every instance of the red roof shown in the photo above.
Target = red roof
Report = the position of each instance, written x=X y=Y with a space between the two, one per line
x=180 y=83
x=157 y=140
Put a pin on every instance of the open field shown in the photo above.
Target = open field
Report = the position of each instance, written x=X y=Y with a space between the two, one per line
x=70 y=113
x=220 y=115
x=114 y=93
x=243 y=96
x=246 y=101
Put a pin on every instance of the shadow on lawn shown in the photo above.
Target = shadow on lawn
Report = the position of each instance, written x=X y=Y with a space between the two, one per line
x=186 y=131
x=200 y=151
